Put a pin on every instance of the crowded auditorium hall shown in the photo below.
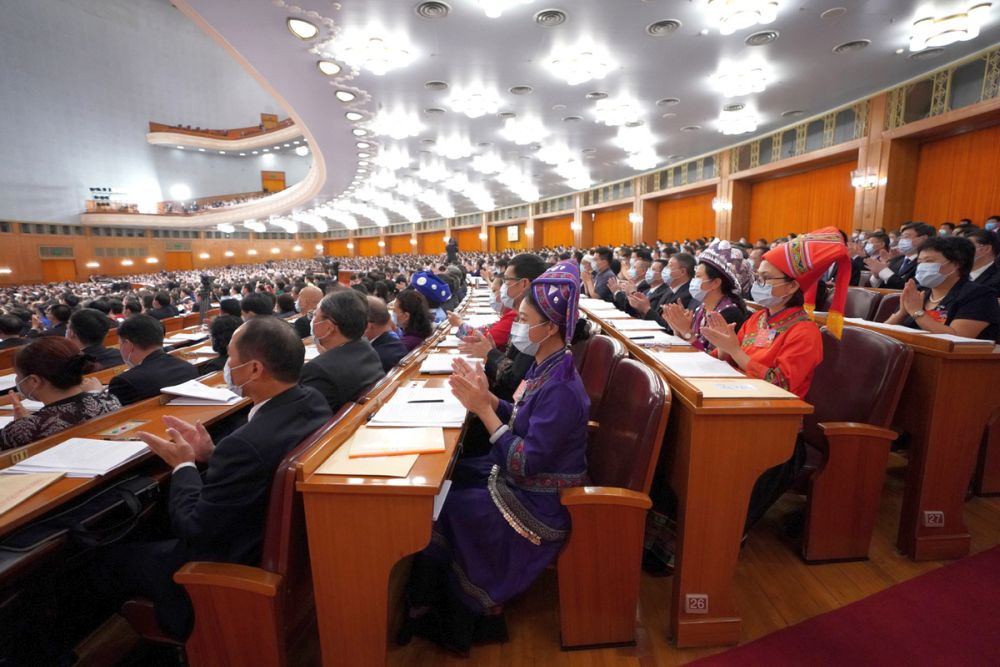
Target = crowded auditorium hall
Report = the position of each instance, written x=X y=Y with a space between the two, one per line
x=603 y=333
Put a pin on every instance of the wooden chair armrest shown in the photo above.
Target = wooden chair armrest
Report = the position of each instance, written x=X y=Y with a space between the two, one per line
x=835 y=429
x=229 y=575
x=604 y=495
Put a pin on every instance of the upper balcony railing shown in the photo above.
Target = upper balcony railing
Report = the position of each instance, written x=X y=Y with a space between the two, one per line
x=238 y=133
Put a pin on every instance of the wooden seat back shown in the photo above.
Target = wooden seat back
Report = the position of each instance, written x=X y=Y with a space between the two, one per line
x=886 y=307
x=861 y=303
x=172 y=324
x=603 y=354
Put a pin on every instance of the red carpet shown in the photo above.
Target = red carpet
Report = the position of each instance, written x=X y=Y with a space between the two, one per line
x=950 y=616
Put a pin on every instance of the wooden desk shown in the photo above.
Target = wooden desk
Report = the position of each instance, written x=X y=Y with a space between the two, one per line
x=360 y=527
x=949 y=396
x=715 y=450
x=151 y=410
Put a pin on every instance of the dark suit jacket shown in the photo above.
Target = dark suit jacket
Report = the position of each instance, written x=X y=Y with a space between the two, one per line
x=156 y=371
x=57 y=330
x=389 y=349
x=990 y=278
x=106 y=357
x=163 y=313
x=682 y=296
x=341 y=373
x=13 y=342
x=302 y=326
x=899 y=275
x=221 y=517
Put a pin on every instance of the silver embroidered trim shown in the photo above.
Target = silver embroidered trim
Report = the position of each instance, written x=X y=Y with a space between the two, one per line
x=517 y=516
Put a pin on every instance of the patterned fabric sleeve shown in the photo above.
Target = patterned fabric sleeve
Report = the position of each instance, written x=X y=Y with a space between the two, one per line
x=552 y=414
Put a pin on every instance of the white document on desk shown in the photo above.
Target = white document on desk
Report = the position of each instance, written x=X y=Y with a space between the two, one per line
x=403 y=410
x=29 y=405
x=441 y=363
x=696 y=365
x=7 y=381
x=193 y=392
x=961 y=340
x=476 y=321
x=312 y=352
x=888 y=327
x=636 y=325
x=655 y=338
x=82 y=457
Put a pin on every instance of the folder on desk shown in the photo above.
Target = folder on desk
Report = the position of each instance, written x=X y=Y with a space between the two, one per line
x=340 y=463
x=193 y=392
x=15 y=489
x=738 y=388
x=696 y=365
x=81 y=457
x=368 y=442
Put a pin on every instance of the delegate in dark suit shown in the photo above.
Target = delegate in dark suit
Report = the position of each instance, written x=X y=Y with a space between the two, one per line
x=106 y=357
x=990 y=278
x=341 y=373
x=156 y=371
x=389 y=349
x=903 y=268
x=302 y=326
x=219 y=515
x=163 y=313
x=681 y=295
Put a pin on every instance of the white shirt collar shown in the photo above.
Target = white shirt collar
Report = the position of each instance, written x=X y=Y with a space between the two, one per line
x=978 y=272
x=256 y=408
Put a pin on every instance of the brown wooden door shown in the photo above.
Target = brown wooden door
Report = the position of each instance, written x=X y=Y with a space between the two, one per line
x=58 y=270
x=179 y=261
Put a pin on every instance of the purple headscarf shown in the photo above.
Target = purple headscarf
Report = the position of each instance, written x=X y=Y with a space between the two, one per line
x=556 y=294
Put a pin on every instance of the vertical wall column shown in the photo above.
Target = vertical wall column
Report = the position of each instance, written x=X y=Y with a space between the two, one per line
x=484 y=234
x=724 y=192
x=534 y=242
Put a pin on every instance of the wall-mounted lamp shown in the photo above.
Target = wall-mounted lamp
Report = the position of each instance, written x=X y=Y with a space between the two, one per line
x=635 y=218
x=719 y=204
x=866 y=178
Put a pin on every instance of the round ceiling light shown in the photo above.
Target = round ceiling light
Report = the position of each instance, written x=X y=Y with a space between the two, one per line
x=345 y=96
x=353 y=116
x=432 y=10
x=597 y=95
x=504 y=115
x=549 y=18
x=436 y=85
x=328 y=67
x=662 y=28
x=521 y=90
x=833 y=12
x=851 y=46
x=572 y=119
x=434 y=111
x=302 y=29
x=761 y=38
x=690 y=128
x=791 y=113
x=667 y=102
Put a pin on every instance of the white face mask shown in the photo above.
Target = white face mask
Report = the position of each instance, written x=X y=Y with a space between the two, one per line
x=27 y=396
x=649 y=275
x=631 y=274
x=697 y=293
x=505 y=297
x=764 y=295
x=519 y=336
x=227 y=375
x=929 y=274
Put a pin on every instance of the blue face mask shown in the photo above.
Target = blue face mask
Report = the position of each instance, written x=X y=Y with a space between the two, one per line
x=227 y=375
x=519 y=336
x=905 y=246
x=697 y=293
x=869 y=248
x=764 y=295
x=990 y=226
x=649 y=275
x=631 y=274
x=929 y=275
x=665 y=276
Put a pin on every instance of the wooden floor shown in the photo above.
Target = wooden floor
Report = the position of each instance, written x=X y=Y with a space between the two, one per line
x=774 y=589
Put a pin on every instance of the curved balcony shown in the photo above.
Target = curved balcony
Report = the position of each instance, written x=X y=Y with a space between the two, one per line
x=239 y=139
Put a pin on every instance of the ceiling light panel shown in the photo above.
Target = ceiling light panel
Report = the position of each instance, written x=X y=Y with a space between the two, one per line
x=494 y=9
x=474 y=101
x=302 y=29
x=614 y=111
x=488 y=163
x=398 y=124
x=738 y=121
x=523 y=131
x=371 y=49
x=581 y=63
x=454 y=147
x=732 y=15
x=935 y=31
x=737 y=79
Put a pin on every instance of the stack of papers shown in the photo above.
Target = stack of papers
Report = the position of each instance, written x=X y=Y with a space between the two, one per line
x=312 y=352
x=193 y=392
x=201 y=349
x=82 y=457
x=696 y=365
x=441 y=363
x=597 y=304
x=741 y=388
x=7 y=381
x=450 y=342
x=656 y=338
x=30 y=406
x=175 y=339
x=421 y=407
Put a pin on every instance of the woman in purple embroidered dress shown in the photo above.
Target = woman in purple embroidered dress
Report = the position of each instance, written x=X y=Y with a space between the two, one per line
x=502 y=523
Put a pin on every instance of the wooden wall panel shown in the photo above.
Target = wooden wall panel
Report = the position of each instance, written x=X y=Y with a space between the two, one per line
x=612 y=228
x=58 y=270
x=336 y=248
x=398 y=244
x=555 y=231
x=468 y=239
x=501 y=242
x=959 y=177
x=688 y=217
x=431 y=243
x=803 y=202
x=178 y=261
x=368 y=246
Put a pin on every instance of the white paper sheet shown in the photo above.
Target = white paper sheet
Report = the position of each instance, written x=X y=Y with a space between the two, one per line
x=441 y=363
x=635 y=325
x=82 y=457
x=194 y=390
x=399 y=411
x=6 y=420
x=961 y=340
x=888 y=327
x=656 y=338
x=696 y=365
x=312 y=352
x=7 y=381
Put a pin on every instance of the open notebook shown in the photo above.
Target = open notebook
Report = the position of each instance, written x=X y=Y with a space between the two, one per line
x=434 y=407
x=193 y=392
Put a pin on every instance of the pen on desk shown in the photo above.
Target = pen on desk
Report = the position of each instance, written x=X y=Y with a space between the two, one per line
x=641 y=337
x=429 y=400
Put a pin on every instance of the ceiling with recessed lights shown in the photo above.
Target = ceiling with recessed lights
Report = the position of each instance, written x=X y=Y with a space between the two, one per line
x=421 y=110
